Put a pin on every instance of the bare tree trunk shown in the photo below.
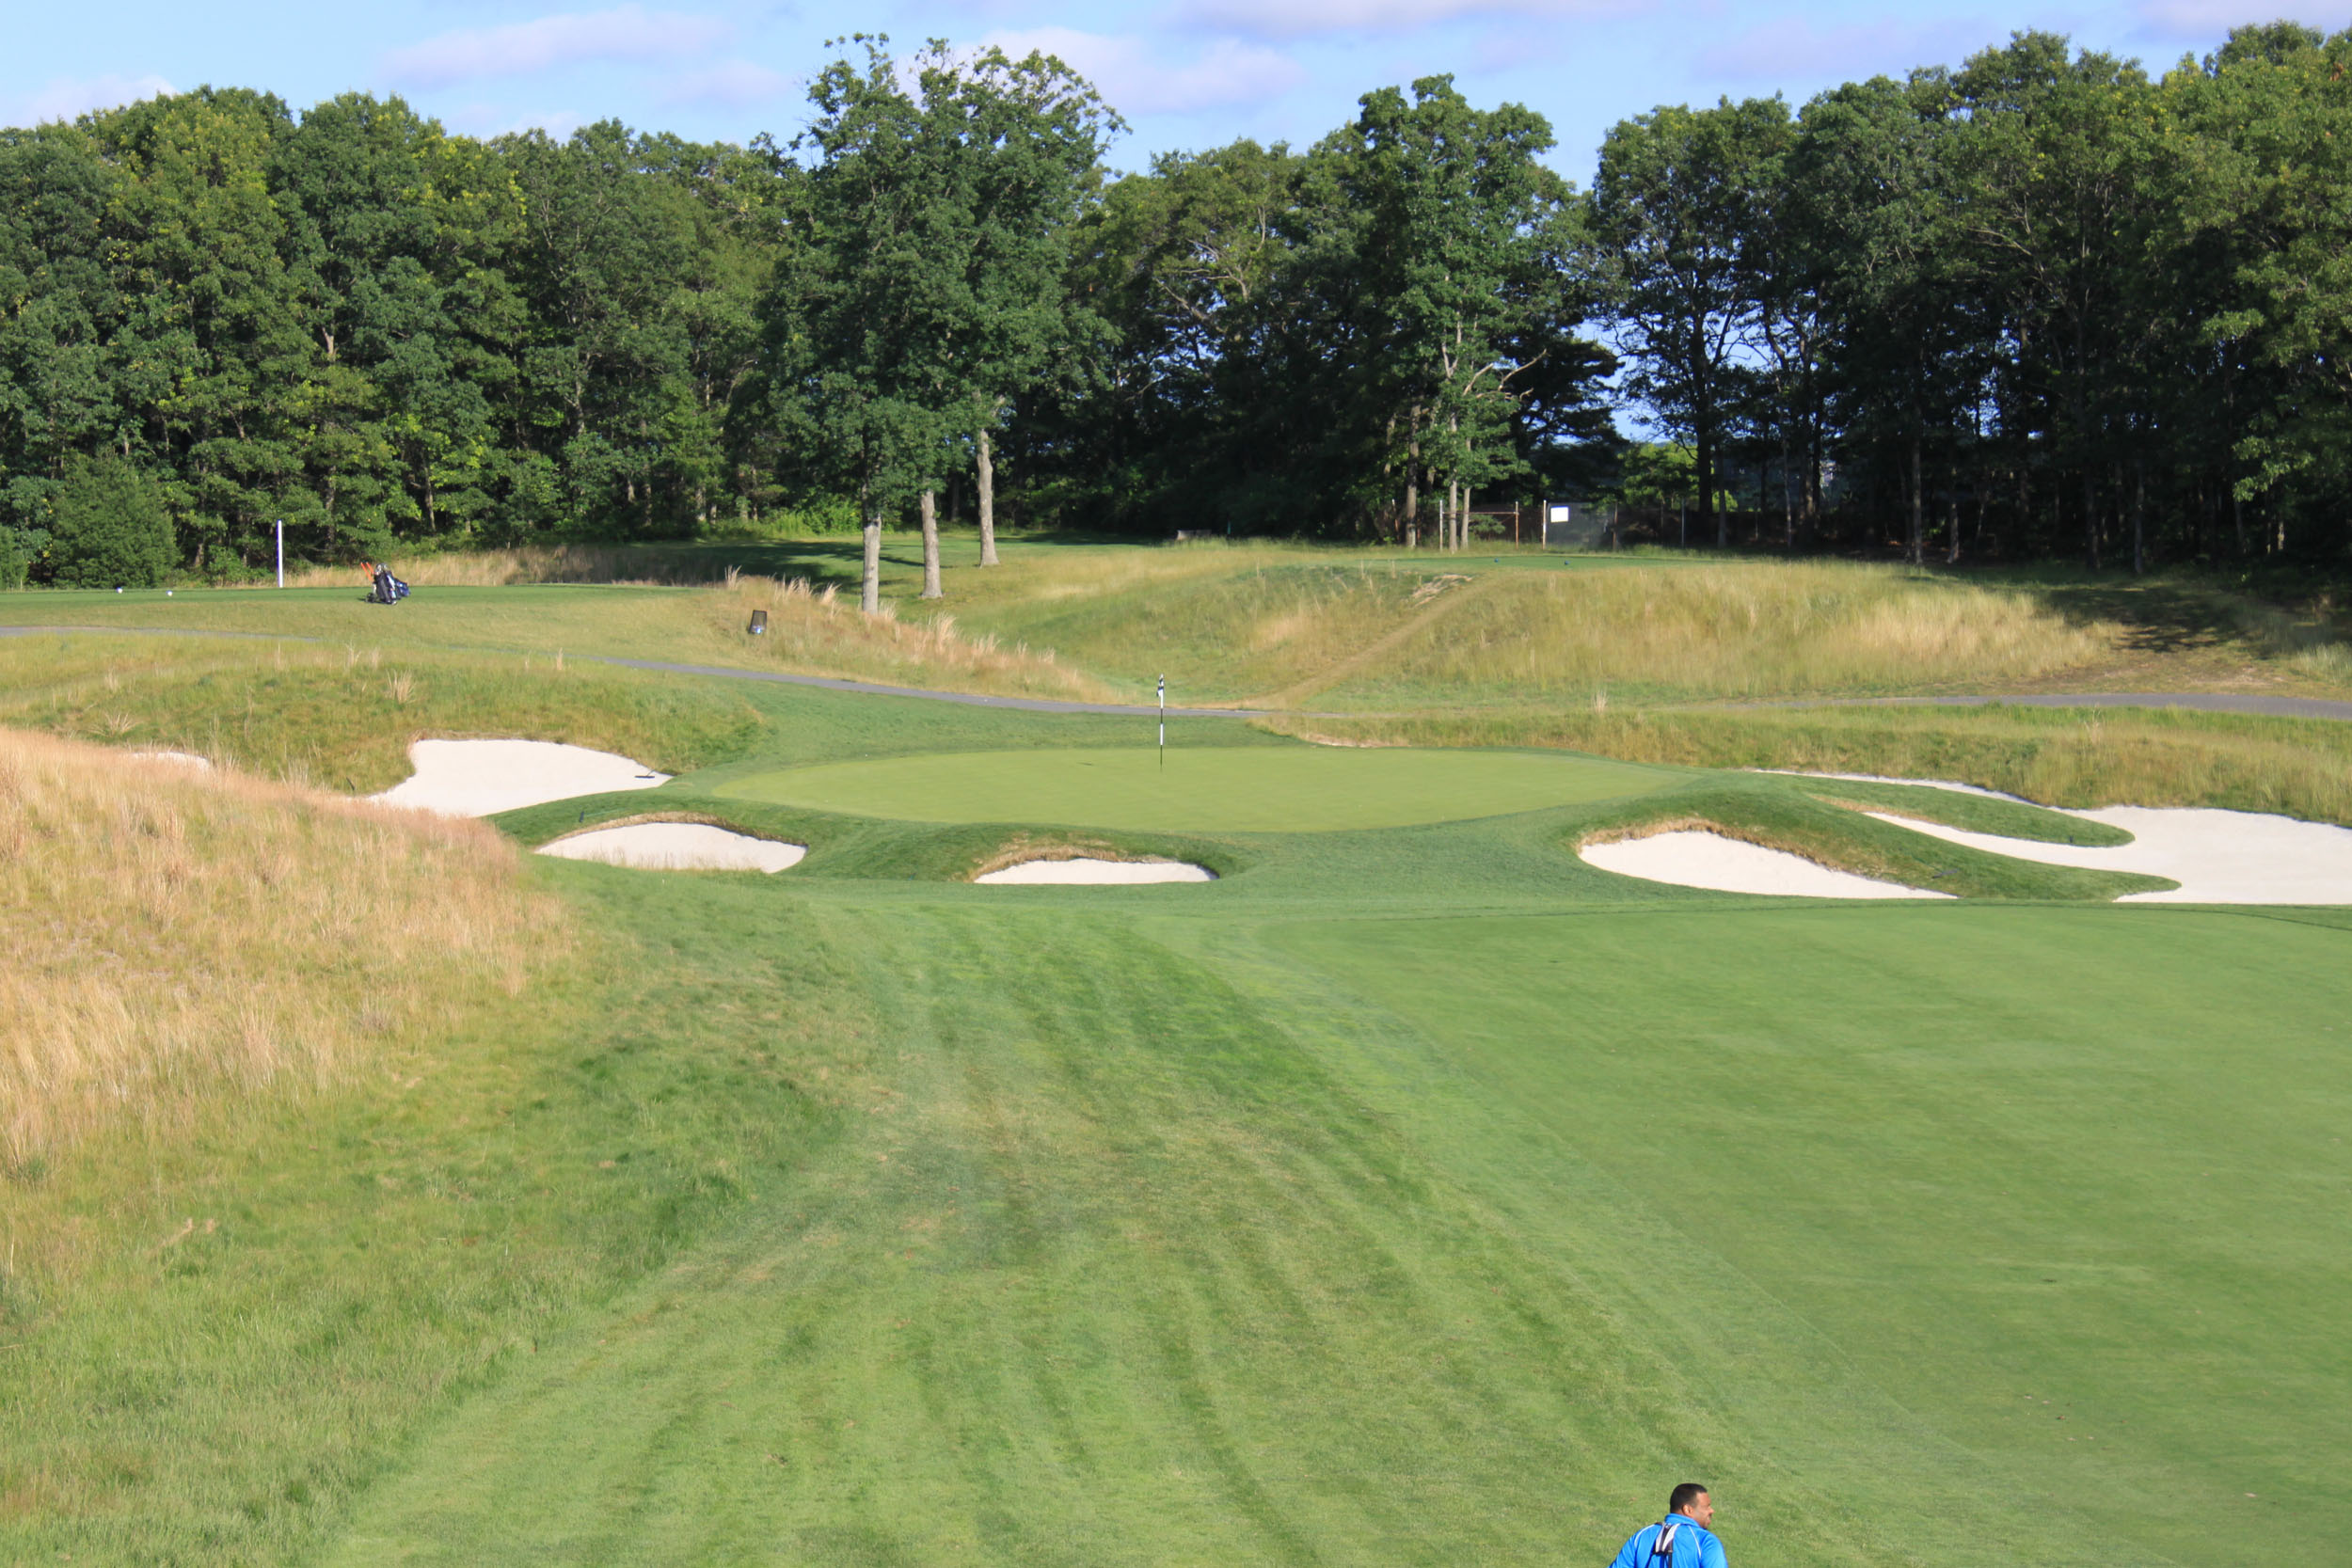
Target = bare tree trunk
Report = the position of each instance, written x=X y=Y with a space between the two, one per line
x=2237 y=520
x=931 y=545
x=1952 y=518
x=2090 y=516
x=1787 y=495
x=2139 y=516
x=986 y=486
x=869 y=589
x=1412 y=484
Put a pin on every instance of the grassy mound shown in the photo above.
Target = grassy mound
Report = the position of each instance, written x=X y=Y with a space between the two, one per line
x=2077 y=758
x=343 y=717
x=252 y=934
x=317 y=1116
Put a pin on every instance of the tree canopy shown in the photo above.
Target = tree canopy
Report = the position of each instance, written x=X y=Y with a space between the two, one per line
x=2041 y=302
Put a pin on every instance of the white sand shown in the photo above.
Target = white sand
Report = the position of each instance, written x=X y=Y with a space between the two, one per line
x=1696 y=858
x=2218 y=857
x=186 y=759
x=676 y=847
x=481 y=778
x=1094 y=873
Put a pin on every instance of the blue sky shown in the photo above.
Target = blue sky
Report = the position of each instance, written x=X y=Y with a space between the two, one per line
x=1187 y=74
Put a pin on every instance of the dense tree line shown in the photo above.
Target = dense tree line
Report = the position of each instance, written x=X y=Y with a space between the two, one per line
x=2044 y=302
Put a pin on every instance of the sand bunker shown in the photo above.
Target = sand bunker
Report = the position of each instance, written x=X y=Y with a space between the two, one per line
x=1094 y=873
x=2218 y=857
x=676 y=847
x=482 y=778
x=1696 y=858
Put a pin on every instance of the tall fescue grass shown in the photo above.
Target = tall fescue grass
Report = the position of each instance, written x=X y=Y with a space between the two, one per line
x=815 y=630
x=1734 y=631
x=2057 y=756
x=1296 y=628
x=175 y=934
x=1220 y=624
x=343 y=717
x=607 y=564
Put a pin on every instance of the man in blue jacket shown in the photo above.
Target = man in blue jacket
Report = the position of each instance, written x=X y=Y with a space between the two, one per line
x=1681 y=1539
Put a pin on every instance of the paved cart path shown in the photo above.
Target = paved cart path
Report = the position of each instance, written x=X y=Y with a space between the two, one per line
x=2206 y=702
x=973 y=699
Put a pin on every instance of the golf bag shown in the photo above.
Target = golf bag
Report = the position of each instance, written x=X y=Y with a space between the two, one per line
x=387 y=589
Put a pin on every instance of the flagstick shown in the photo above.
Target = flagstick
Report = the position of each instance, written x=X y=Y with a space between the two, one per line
x=1163 y=724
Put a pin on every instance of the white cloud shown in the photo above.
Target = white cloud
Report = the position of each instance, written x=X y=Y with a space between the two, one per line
x=66 y=97
x=625 y=34
x=1136 y=75
x=2210 y=20
x=490 y=120
x=736 y=85
x=1288 y=19
x=1795 y=48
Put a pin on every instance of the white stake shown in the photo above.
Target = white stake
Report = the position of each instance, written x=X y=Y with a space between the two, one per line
x=1163 y=724
x=281 y=552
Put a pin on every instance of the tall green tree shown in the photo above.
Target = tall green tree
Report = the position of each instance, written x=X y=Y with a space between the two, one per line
x=1679 y=208
x=859 y=377
x=1454 y=228
x=2053 y=198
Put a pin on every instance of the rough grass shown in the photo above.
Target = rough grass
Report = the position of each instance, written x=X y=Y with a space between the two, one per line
x=1294 y=628
x=1733 y=632
x=343 y=717
x=215 y=1341
x=815 y=630
x=2076 y=758
x=636 y=564
x=1322 y=629
x=174 y=934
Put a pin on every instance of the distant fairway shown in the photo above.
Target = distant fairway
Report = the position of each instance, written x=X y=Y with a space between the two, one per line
x=1209 y=789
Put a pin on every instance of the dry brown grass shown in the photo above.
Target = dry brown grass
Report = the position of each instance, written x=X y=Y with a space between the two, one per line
x=1735 y=630
x=174 y=935
x=507 y=569
x=815 y=629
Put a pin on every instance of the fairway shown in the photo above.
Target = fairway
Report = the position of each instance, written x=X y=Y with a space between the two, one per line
x=1231 y=790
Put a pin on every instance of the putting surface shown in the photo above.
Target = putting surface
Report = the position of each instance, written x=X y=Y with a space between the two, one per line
x=1209 y=789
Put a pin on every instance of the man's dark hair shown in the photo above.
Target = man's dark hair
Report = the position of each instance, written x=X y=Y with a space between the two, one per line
x=1684 y=1496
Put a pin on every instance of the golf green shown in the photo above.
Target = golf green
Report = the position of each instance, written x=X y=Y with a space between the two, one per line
x=1232 y=789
